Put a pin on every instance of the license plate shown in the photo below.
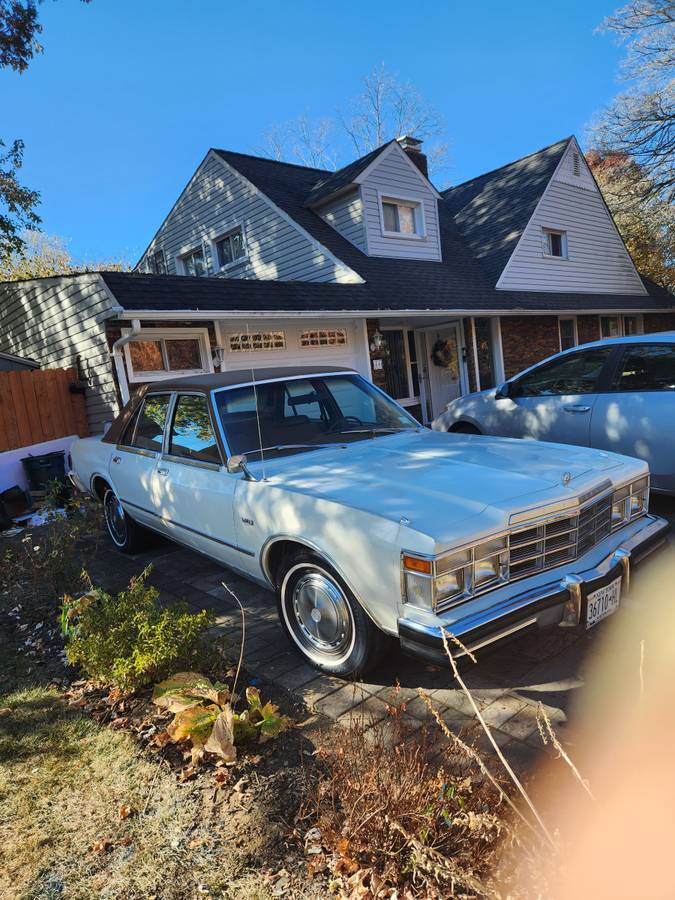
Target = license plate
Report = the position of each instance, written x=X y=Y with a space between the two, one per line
x=603 y=602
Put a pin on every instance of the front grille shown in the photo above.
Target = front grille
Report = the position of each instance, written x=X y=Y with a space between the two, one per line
x=537 y=547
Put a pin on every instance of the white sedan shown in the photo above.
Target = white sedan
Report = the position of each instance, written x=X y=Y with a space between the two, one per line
x=617 y=394
x=367 y=526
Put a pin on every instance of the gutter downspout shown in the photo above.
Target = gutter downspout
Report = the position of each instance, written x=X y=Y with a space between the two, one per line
x=116 y=353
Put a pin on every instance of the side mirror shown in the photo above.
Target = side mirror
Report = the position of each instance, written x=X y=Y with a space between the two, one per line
x=503 y=391
x=237 y=464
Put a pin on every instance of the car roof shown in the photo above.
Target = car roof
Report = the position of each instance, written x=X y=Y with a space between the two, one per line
x=232 y=377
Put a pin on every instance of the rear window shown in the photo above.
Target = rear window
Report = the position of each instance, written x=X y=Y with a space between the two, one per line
x=146 y=429
x=647 y=368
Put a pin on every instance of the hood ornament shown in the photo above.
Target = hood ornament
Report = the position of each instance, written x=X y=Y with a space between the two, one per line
x=567 y=477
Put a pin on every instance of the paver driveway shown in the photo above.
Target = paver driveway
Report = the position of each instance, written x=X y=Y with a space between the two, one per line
x=508 y=682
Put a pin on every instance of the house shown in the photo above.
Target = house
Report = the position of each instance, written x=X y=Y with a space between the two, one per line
x=430 y=294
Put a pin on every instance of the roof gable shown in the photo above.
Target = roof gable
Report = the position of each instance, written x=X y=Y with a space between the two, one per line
x=492 y=210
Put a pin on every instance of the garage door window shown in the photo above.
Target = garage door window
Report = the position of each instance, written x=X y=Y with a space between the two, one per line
x=247 y=341
x=325 y=337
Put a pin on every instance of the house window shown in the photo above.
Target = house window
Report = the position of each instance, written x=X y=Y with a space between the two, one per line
x=194 y=263
x=157 y=263
x=568 y=333
x=402 y=217
x=158 y=355
x=401 y=374
x=325 y=337
x=554 y=243
x=246 y=341
x=230 y=248
x=618 y=326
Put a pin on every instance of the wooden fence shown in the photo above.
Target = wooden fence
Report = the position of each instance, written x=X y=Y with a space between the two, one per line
x=38 y=406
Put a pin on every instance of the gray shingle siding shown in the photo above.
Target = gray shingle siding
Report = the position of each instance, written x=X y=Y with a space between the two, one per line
x=57 y=320
x=217 y=199
x=346 y=216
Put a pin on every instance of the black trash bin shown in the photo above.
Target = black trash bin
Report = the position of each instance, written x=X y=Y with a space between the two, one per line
x=45 y=468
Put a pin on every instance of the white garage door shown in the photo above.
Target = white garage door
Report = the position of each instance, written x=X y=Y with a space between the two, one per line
x=292 y=343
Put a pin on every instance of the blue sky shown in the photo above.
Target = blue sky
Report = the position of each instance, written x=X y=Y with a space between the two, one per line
x=128 y=95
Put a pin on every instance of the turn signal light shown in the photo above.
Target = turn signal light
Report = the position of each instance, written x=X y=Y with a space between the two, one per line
x=414 y=564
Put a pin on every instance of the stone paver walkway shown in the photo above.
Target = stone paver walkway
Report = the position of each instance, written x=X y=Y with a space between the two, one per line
x=508 y=683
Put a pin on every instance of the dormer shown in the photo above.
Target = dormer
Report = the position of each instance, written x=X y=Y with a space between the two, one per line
x=384 y=203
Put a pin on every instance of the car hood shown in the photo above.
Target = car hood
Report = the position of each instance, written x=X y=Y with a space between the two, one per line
x=437 y=480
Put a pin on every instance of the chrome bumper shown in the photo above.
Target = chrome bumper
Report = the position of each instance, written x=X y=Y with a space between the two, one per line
x=560 y=602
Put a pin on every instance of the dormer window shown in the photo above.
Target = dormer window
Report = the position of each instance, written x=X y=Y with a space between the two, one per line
x=402 y=218
x=194 y=263
x=554 y=243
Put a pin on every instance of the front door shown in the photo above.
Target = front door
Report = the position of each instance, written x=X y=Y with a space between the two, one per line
x=442 y=365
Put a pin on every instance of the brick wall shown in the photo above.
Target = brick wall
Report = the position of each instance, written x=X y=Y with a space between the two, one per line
x=528 y=339
x=659 y=322
x=588 y=329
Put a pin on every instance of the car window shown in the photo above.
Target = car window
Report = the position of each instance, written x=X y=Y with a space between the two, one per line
x=577 y=373
x=647 y=368
x=192 y=434
x=148 y=424
x=298 y=414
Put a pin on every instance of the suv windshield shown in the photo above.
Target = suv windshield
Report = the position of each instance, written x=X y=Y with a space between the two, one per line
x=303 y=413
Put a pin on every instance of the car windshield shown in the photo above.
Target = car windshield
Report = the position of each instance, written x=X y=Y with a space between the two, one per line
x=301 y=414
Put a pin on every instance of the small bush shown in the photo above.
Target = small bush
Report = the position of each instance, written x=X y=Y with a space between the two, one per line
x=389 y=812
x=130 y=640
x=47 y=560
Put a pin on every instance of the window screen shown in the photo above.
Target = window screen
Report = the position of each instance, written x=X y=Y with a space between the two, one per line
x=192 y=434
x=647 y=369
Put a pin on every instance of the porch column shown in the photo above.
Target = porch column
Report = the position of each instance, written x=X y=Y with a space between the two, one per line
x=474 y=345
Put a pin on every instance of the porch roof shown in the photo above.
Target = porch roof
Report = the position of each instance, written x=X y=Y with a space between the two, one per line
x=178 y=293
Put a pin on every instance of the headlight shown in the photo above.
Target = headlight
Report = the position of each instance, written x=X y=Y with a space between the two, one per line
x=630 y=501
x=456 y=577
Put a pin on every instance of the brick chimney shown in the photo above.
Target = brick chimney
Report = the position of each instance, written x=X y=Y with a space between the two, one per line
x=413 y=147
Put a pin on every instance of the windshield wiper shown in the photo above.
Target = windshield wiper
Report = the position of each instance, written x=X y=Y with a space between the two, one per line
x=374 y=430
x=285 y=447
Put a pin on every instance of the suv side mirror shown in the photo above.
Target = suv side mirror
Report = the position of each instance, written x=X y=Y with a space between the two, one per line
x=503 y=392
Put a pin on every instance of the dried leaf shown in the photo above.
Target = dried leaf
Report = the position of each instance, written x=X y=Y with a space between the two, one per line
x=102 y=846
x=195 y=722
x=126 y=810
x=5 y=711
x=221 y=739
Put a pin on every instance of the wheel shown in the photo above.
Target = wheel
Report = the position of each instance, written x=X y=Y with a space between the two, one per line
x=125 y=534
x=465 y=428
x=323 y=619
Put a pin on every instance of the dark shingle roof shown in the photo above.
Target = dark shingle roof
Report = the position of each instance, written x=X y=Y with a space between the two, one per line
x=334 y=182
x=492 y=210
x=180 y=293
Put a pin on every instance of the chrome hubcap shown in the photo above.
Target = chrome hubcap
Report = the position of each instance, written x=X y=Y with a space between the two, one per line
x=115 y=519
x=322 y=614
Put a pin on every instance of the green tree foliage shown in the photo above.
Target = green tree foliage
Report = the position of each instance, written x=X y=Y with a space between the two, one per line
x=17 y=202
x=644 y=218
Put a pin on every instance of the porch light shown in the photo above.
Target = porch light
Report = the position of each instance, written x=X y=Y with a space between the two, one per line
x=378 y=342
x=218 y=356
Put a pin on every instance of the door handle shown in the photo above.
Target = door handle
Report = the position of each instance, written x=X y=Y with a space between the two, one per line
x=162 y=471
x=577 y=409
x=117 y=459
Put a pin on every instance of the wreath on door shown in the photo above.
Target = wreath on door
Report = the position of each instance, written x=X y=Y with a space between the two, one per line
x=444 y=355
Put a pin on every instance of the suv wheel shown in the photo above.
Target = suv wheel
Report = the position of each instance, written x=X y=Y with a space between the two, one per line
x=324 y=620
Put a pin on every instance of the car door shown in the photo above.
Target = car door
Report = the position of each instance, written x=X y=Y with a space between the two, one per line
x=195 y=491
x=636 y=415
x=133 y=462
x=554 y=401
